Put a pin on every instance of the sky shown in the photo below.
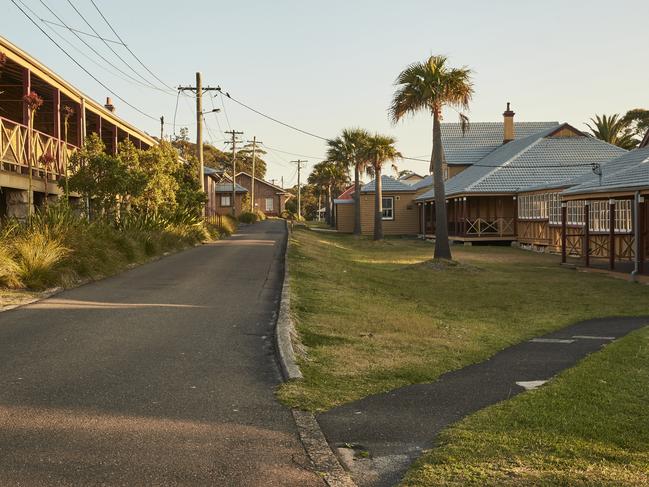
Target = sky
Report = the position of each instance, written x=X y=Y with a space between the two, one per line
x=324 y=66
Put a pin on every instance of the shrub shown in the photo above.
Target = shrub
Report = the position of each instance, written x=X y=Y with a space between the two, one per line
x=37 y=256
x=248 y=217
x=261 y=216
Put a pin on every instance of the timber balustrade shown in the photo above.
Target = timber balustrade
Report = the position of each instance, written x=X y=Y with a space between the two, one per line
x=15 y=151
x=479 y=227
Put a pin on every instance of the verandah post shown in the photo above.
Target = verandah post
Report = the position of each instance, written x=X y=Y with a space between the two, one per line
x=611 y=234
x=586 y=245
x=564 y=231
x=642 y=218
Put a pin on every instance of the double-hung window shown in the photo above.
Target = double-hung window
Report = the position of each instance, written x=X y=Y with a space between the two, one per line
x=226 y=200
x=388 y=207
x=269 y=204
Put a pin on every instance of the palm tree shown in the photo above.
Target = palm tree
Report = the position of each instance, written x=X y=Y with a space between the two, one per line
x=348 y=149
x=328 y=176
x=613 y=129
x=379 y=150
x=432 y=85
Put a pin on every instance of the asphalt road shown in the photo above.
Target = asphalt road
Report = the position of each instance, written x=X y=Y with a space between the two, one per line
x=163 y=375
x=394 y=428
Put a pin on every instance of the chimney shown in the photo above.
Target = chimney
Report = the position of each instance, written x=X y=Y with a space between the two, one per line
x=508 y=124
x=110 y=107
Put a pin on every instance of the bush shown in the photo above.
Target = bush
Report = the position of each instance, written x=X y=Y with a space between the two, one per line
x=261 y=216
x=58 y=247
x=248 y=217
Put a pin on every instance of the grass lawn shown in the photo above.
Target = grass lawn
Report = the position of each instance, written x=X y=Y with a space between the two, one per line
x=377 y=315
x=589 y=426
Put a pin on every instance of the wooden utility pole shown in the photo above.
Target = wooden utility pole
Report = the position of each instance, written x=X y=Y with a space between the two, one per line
x=199 y=123
x=162 y=128
x=234 y=141
x=299 y=189
x=254 y=143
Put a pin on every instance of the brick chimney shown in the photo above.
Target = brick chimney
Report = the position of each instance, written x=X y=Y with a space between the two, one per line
x=111 y=108
x=508 y=124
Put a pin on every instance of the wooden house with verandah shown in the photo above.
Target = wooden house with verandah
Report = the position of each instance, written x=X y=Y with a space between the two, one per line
x=45 y=149
x=610 y=226
x=483 y=200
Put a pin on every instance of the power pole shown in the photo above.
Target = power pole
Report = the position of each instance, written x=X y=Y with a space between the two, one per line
x=299 y=189
x=199 y=123
x=234 y=141
x=254 y=143
x=162 y=128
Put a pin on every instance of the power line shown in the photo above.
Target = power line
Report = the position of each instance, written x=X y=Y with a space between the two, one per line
x=79 y=31
x=225 y=112
x=295 y=153
x=80 y=66
x=95 y=50
x=110 y=47
x=275 y=120
x=128 y=48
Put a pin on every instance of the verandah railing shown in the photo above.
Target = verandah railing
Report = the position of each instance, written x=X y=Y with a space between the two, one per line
x=48 y=154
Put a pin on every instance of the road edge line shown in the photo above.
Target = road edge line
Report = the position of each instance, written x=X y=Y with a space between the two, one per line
x=311 y=436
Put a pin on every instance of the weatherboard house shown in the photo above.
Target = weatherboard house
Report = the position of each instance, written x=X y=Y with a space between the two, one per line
x=61 y=125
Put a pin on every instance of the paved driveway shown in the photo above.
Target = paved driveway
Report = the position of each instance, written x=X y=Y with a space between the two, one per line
x=163 y=375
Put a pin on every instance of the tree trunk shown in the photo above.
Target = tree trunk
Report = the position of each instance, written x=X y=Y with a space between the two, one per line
x=378 y=204
x=357 y=200
x=332 y=215
x=442 y=247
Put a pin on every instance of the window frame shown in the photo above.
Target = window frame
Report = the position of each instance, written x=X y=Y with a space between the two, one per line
x=229 y=197
x=272 y=203
x=391 y=209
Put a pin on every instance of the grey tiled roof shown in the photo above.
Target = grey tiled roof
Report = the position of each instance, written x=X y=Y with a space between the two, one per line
x=389 y=185
x=227 y=188
x=482 y=138
x=424 y=183
x=210 y=171
x=628 y=171
x=530 y=161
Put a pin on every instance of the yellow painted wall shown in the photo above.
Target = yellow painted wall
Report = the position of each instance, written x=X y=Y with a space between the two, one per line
x=405 y=221
x=345 y=218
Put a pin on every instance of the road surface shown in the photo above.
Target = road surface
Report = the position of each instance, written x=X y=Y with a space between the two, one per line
x=163 y=375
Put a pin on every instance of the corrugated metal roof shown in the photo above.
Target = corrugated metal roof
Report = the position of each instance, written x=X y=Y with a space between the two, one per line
x=227 y=188
x=482 y=138
x=531 y=161
x=389 y=185
x=628 y=171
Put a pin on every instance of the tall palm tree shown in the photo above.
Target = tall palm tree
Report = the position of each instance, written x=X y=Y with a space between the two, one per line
x=431 y=85
x=379 y=150
x=348 y=149
x=613 y=129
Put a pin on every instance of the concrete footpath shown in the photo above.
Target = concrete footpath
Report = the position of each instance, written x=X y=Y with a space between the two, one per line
x=388 y=431
x=161 y=376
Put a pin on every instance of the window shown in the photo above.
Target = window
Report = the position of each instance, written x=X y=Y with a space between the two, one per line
x=269 y=204
x=226 y=200
x=388 y=207
x=600 y=214
x=534 y=206
x=554 y=208
x=575 y=213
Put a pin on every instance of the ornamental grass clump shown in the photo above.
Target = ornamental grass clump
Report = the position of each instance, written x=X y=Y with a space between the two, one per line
x=37 y=256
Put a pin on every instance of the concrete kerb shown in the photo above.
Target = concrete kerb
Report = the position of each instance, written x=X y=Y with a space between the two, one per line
x=323 y=458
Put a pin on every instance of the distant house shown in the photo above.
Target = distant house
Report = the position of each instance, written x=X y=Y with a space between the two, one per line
x=218 y=187
x=269 y=198
x=410 y=178
x=399 y=210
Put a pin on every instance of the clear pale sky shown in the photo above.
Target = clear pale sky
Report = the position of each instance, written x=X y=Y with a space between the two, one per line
x=328 y=65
